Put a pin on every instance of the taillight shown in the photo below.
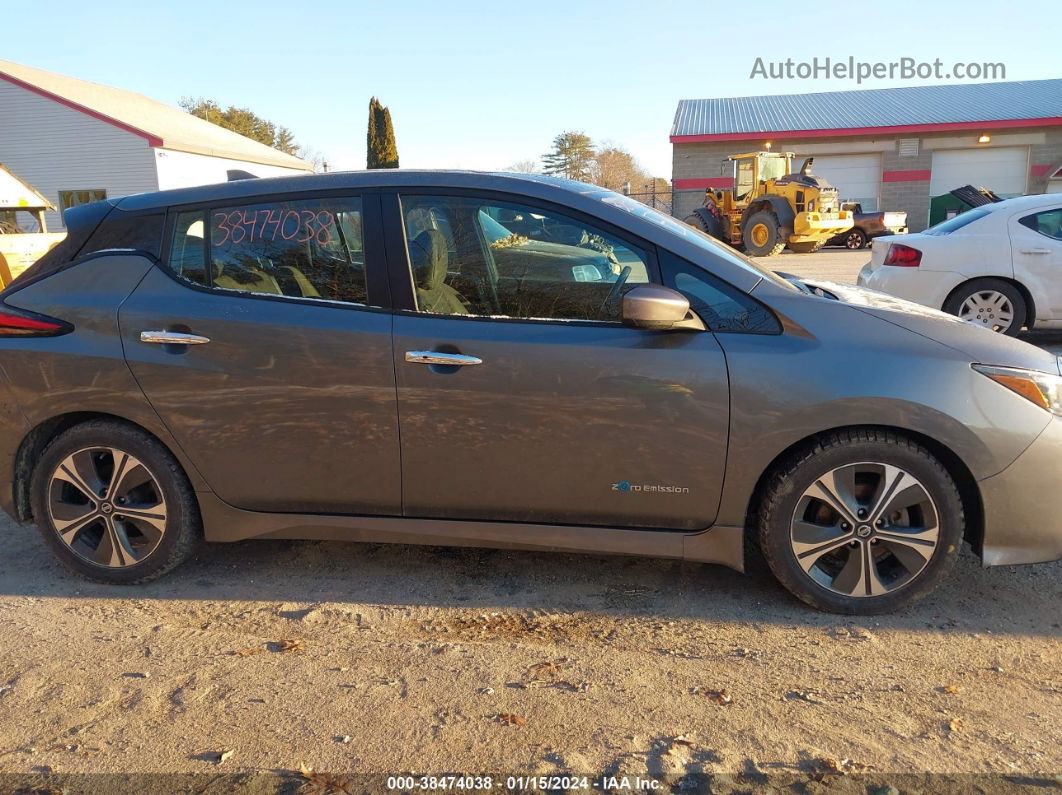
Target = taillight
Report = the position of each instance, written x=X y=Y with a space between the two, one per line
x=903 y=256
x=22 y=323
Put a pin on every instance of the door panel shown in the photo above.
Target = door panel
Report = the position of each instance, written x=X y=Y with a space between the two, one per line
x=561 y=423
x=1036 y=240
x=289 y=407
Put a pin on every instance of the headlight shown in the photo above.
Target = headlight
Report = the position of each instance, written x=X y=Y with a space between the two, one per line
x=1043 y=389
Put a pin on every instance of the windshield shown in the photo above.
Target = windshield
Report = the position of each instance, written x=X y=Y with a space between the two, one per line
x=695 y=236
x=959 y=221
x=773 y=168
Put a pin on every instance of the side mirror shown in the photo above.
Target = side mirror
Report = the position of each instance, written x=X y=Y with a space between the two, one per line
x=653 y=306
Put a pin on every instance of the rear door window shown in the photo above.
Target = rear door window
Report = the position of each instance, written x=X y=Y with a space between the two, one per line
x=306 y=248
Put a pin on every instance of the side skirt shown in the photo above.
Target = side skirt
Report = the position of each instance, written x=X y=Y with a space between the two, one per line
x=719 y=544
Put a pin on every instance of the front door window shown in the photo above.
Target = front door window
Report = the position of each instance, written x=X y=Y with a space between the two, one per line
x=472 y=256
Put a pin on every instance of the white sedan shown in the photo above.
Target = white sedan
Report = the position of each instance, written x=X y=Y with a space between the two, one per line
x=998 y=266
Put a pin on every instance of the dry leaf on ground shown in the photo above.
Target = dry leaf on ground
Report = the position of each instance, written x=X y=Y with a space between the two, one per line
x=510 y=719
x=325 y=783
x=289 y=645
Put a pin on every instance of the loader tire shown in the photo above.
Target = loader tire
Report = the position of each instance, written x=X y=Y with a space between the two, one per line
x=763 y=236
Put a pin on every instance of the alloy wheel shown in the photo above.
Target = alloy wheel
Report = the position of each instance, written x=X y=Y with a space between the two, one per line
x=988 y=308
x=107 y=506
x=864 y=529
x=854 y=240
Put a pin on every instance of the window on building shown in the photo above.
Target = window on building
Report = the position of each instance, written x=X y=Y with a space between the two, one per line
x=72 y=198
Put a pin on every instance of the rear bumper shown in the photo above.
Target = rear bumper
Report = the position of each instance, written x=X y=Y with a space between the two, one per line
x=1023 y=505
x=927 y=287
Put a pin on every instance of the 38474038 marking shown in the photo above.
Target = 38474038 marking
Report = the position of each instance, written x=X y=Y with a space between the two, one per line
x=249 y=226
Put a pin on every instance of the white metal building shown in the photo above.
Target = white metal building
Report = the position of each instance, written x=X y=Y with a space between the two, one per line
x=77 y=141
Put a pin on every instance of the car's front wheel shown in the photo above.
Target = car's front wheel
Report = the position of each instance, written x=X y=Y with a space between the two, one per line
x=861 y=522
x=990 y=303
x=113 y=503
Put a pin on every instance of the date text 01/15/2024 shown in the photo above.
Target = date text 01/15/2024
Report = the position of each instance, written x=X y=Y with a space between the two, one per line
x=549 y=783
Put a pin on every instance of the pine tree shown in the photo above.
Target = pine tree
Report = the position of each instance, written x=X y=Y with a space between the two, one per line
x=382 y=151
x=572 y=156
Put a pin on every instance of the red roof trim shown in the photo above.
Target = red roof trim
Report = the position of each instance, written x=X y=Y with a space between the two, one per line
x=152 y=140
x=913 y=175
x=1041 y=170
x=703 y=184
x=995 y=124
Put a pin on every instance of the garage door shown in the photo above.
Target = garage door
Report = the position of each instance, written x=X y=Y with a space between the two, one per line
x=1004 y=170
x=856 y=177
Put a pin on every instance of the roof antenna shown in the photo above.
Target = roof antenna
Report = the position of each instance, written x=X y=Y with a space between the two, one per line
x=234 y=174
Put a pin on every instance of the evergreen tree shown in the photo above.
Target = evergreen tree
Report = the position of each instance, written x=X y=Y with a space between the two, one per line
x=382 y=151
x=572 y=156
x=242 y=121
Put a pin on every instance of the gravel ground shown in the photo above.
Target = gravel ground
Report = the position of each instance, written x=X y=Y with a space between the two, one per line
x=282 y=666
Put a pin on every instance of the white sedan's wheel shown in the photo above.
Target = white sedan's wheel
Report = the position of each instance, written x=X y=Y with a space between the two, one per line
x=994 y=304
x=989 y=309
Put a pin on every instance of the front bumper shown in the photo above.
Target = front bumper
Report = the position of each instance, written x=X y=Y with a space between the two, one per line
x=1023 y=505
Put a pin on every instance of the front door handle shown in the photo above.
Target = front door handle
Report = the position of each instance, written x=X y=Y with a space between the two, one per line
x=172 y=338
x=437 y=357
x=1036 y=251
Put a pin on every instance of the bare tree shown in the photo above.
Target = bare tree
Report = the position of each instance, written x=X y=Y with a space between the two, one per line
x=524 y=167
x=614 y=168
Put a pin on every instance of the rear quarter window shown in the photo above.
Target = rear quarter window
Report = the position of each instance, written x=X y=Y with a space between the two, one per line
x=123 y=231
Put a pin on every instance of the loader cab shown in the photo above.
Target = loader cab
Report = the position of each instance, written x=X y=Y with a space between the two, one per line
x=756 y=167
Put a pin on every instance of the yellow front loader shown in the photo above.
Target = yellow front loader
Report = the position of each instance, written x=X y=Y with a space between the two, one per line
x=770 y=207
x=24 y=235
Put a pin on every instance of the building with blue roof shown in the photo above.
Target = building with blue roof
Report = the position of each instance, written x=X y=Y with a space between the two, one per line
x=891 y=148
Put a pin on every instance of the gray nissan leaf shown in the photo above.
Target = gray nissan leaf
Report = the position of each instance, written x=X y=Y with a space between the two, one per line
x=504 y=361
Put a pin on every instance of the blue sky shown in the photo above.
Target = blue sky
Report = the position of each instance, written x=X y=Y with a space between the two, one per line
x=483 y=85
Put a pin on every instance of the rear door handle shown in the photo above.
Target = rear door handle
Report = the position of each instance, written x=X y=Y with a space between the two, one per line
x=172 y=338
x=436 y=357
x=1036 y=251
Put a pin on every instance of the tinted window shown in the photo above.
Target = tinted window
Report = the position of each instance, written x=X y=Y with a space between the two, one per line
x=308 y=248
x=483 y=257
x=722 y=307
x=959 y=221
x=188 y=253
x=122 y=231
x=1047 y=223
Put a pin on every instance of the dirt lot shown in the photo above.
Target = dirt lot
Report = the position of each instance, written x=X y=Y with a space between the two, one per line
x=352 y=662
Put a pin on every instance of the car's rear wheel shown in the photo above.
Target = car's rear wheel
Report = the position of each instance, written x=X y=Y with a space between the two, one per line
x=990 y=303
x=861 y=522
x=113 y=503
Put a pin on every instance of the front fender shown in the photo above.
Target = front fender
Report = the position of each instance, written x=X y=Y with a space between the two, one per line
x=836 y=367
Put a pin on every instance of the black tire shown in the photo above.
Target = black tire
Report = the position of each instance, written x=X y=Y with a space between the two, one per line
x=710 y=225
x=807 y=248
x=786 y=491
x=774 y=241
x=985 y=287
x=181 y=528
x=855 y=239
